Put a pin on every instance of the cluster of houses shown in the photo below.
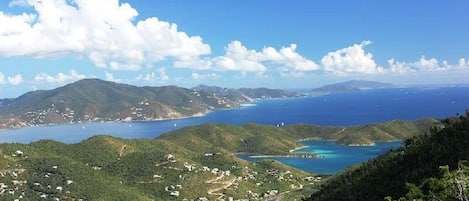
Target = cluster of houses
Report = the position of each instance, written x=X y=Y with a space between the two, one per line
x=313 y=179
x=15 y=185
x=39 y=116
x=248 y=175
x=11 y=121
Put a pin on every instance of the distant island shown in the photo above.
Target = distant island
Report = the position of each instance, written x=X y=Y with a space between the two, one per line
x=351 y=86
x=95 y=100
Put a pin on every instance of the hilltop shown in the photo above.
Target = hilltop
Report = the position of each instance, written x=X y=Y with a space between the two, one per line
x=431 y=166
x=351 y=86
x=195 y=162
x=97 y=100
x=104 y=167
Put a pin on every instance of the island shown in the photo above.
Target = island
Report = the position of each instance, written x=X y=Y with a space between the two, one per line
x=351 y=86
x=95 y=100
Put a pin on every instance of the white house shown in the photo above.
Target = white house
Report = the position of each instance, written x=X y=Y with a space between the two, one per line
x=19 y=153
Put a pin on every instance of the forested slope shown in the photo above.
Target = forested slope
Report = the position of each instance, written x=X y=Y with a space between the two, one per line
x=415 y=171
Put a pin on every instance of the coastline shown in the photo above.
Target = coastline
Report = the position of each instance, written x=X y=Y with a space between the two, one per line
x=298 y=148
x=197 y=115
x=302 y=155
x=239 y=105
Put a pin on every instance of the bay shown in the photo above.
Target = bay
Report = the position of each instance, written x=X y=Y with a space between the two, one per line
x=338 y=109
x=333 y=157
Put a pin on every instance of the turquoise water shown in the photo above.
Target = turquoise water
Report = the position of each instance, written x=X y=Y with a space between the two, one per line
x=334 y=157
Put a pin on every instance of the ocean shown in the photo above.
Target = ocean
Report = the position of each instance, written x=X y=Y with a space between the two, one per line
x=337 y=109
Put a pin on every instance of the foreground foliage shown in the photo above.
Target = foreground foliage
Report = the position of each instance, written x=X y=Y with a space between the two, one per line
x=191 y=163
x=429 y=167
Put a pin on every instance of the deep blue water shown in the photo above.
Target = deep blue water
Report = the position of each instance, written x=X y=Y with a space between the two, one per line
x=342 y=109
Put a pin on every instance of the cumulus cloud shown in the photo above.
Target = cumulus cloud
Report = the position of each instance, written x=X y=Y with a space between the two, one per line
x=59 y=78
x=15 y=80
x=463 y=63
x=159 y=75
x=105 y=31
x=426 y=65
x=239 y=58
x=351 y=60
x=197 y=76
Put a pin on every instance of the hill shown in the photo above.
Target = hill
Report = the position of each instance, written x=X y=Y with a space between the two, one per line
x=245 y=95
x=193 y=162
x=432 y=166
x=352 y=85
x=98 y=100
x=106 y=168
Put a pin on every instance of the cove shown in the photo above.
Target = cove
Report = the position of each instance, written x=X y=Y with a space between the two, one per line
x=334 y=157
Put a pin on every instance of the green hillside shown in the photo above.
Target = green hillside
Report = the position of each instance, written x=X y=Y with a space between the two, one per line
x=98 y=100
x=193 y=162
x=430 y=166
x=108 y=168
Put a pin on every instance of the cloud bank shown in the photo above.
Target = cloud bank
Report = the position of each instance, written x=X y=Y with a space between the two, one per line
x=107 y=33
x=13 y=80
x=104 y=31
x=60 y=78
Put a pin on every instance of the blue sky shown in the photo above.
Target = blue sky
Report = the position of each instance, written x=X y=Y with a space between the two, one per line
x=277 y=44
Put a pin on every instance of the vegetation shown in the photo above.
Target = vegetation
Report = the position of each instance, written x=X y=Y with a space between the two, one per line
x=98 y=100
x=352 y=86
x=199 y=157
x=108 y=168
x=430 y=166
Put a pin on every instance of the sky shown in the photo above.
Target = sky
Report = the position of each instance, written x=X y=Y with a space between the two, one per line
x=284 y=44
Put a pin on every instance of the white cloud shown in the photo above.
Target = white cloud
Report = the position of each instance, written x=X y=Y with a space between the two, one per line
x=351 y=60
x=59 y=78
x=197 y=76
x=15 y=80
x=399 y=67
x=239 y=58
x=194 y=62
x=2 y=78
x=288 y=57
x=159 y=75
x=105 y=31
x=109 y=76
x=463 y=63
x=426 y=65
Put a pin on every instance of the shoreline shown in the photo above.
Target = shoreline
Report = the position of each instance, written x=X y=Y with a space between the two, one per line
x=196 y=115
x=303 y=155
x=298 y=148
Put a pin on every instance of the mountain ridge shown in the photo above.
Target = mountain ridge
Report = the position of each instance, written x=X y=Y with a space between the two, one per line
x=98 y=100
x=192 y=162
x=351 y=86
